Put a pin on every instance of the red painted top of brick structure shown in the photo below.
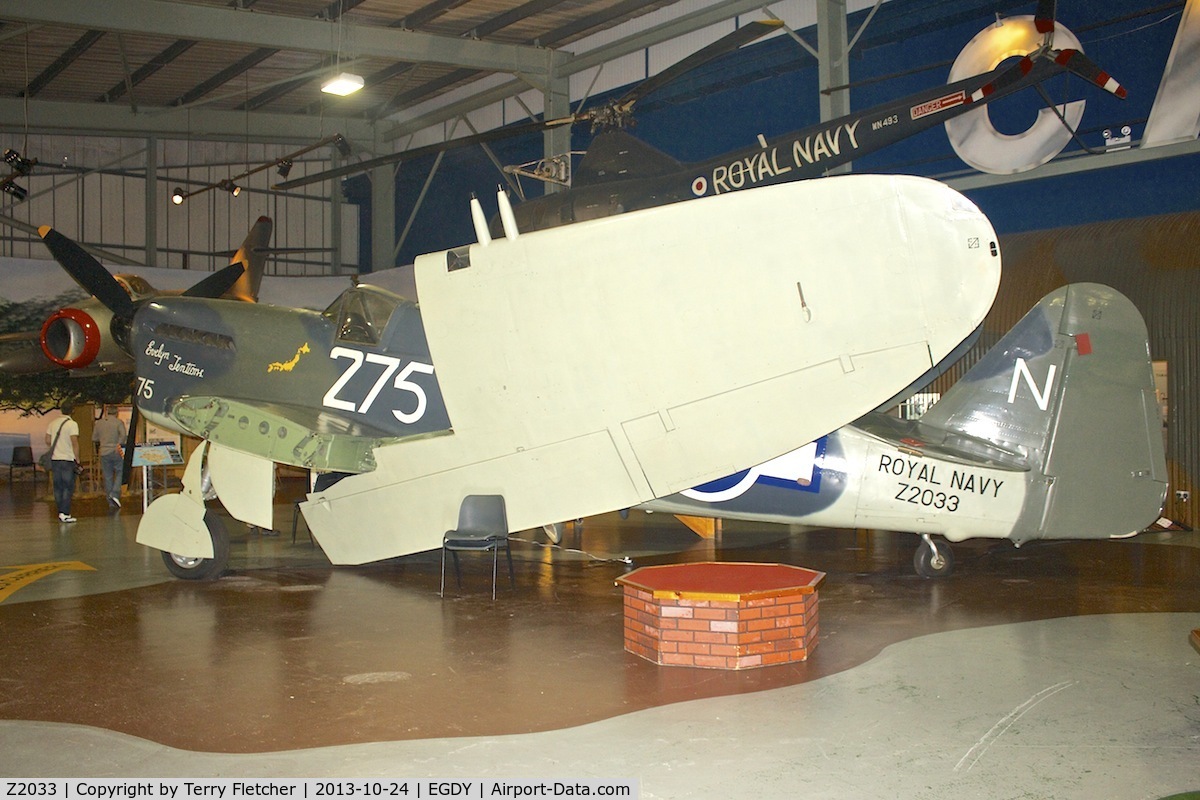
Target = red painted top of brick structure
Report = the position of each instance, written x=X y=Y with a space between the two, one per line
x=729 y=581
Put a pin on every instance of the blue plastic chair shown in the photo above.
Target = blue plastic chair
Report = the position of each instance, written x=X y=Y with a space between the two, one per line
x=482 y=526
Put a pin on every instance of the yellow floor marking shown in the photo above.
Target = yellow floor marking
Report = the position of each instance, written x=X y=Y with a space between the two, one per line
x=25 y=574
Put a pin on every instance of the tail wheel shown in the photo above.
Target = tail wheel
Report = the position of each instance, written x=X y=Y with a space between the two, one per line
x=202 y=569
x=933 y=559
x=553 y=531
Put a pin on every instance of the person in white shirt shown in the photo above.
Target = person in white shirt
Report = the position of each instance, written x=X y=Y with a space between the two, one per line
x=62 y=437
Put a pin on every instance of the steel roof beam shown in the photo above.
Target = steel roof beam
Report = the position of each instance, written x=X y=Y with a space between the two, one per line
x=69 y=56
x=112 y=119
x=259 y=29
x=672 y=29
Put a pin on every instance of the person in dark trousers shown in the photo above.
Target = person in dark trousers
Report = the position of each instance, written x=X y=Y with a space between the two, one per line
x=108 y=433
x=62 y=436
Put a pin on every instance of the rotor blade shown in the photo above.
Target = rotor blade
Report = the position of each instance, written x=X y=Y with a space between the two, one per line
x=1087 y=69
x=1043 y=64
x=130 y=443
x=217 y=283
x=437 y=147
x=87 y=271
x=1043 y=18
x=1006 y=78
x=726 y=44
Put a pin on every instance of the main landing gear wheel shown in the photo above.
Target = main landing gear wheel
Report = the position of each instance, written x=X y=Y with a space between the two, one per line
x=202 y=569
x=933 y=560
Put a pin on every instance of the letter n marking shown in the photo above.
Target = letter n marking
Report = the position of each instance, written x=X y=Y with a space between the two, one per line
x=1022 y=370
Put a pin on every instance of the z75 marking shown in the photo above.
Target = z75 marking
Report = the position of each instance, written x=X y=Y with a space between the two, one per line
x=390 y=366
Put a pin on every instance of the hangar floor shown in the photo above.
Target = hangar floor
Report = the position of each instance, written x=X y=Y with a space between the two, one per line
x=1056 y=670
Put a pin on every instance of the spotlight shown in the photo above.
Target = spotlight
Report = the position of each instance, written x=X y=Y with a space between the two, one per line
x=229 y=186
x=178 y=196
x=17 y=192
x=22 y=166
x=344 y=84
x=236 y=190
x=342 y=145
x=285 y=167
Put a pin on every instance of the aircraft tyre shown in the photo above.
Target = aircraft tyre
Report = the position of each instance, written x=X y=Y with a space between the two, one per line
x=933 y=560
x=203 y=569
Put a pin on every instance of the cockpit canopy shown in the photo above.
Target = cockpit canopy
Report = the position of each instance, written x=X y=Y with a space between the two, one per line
x=361 y=314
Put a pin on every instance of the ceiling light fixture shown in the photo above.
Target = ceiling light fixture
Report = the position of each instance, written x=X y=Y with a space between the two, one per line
x=344 y=84
x=20 y=167
x=18 y=193
x=283 y=164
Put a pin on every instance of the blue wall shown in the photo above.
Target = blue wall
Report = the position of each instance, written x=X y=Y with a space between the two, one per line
x=771 y=88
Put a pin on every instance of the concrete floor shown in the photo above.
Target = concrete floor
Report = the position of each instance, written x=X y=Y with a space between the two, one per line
x=1058 y=670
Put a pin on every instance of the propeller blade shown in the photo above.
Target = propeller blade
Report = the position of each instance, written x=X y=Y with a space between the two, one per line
x=87 y=272
x=130 y=443
x=217 y=283
x=726 y=44
x=1087 y=69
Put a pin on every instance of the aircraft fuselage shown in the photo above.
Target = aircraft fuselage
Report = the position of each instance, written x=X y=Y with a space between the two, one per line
x=851 y=479
x=621 y=174
x=1054 y=434
x=585 y=368
x=286 y=384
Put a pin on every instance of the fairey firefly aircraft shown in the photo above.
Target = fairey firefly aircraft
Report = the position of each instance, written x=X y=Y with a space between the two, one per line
x=1054 y=434
x=77 y=338
x=574 y=371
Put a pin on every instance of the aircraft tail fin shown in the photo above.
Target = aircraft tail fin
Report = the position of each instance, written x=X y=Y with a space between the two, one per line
x=1070 y=390
x=252 y=255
